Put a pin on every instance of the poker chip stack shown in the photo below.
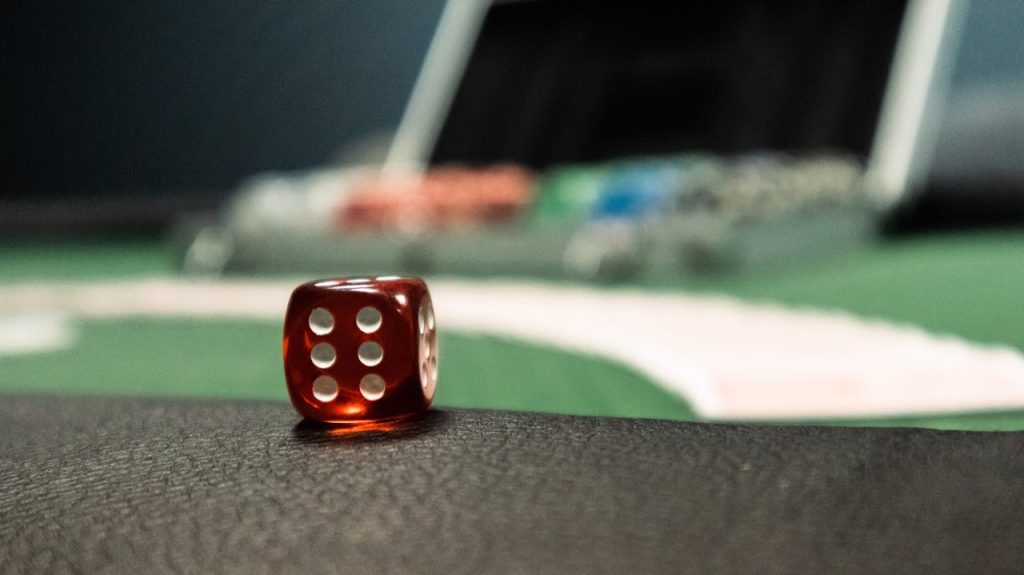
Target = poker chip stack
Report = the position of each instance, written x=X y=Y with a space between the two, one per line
x=632 y=202
x=445 y=198
x=566 y=194
x=687 y=214
x=770 y=209
x=644 y=217
x=269 y=222
x=770 y=186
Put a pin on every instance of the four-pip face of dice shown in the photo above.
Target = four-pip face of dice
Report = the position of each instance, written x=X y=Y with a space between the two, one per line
x=360 y=349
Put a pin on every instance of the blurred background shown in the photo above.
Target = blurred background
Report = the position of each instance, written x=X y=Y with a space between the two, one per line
x=836 y=165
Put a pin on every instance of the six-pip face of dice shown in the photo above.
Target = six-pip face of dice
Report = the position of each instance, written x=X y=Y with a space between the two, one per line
x=360 y=349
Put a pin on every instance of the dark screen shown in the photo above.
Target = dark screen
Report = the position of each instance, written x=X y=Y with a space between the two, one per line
x=554 y=82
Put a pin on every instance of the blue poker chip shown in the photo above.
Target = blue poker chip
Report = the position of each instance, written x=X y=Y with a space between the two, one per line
x=635 y=193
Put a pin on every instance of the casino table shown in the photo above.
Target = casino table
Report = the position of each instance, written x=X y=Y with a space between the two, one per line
x=169 y=443
x=968 y=285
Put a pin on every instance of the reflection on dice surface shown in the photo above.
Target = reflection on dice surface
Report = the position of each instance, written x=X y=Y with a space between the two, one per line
x=360 y=349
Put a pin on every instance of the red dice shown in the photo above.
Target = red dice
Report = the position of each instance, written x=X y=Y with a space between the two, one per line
x=360 y=349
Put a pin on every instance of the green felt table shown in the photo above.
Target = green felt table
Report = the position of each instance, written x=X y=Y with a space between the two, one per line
x=970 y=285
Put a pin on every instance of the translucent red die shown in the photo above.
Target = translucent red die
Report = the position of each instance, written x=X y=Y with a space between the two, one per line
x=358 y=350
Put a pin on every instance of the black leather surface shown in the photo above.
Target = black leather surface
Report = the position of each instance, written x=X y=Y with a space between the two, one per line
x=124 y=485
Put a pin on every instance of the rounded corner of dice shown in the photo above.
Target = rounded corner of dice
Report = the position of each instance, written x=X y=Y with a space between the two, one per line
x=360 y=349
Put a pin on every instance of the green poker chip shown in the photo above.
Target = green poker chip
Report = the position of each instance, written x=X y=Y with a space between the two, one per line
x=567 y=194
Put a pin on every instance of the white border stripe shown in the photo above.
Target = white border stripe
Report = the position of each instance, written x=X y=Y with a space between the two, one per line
x=728 y=358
